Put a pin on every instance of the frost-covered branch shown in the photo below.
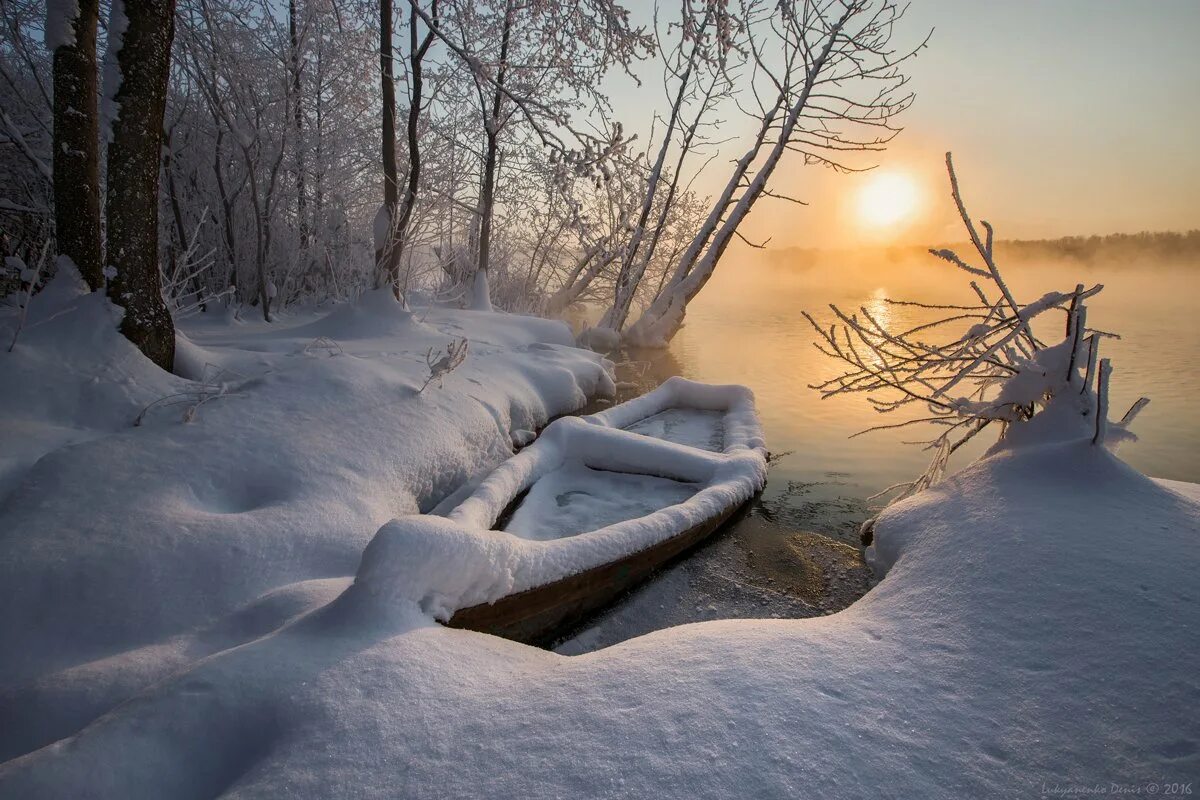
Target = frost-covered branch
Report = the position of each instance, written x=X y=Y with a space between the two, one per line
x=442 y=362
x=986 y=366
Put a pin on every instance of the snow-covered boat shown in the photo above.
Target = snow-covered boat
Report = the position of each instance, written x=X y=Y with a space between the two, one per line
x=589 y=510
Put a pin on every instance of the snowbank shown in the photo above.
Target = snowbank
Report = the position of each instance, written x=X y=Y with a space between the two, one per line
x=1037 y=629
x=117 y=540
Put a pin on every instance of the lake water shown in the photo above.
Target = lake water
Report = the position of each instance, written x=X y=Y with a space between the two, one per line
x=746 y=327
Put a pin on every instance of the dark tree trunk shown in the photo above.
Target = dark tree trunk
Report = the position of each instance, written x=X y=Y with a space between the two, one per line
x=298 y=121
x=227 y=202
x=416 y=82
x=387 y=260
x=144 y=62
x=77 y=148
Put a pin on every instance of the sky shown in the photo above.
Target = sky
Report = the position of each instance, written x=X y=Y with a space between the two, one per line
x=1065 y=117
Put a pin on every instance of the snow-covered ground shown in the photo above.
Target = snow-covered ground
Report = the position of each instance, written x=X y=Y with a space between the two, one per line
x=175 y=600
x=124 y=550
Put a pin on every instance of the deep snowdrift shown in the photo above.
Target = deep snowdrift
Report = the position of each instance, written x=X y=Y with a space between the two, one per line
x=127 y=552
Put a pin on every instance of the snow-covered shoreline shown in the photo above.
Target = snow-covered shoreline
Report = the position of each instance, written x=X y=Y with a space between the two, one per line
x=1036 y=626
x=1038 y=652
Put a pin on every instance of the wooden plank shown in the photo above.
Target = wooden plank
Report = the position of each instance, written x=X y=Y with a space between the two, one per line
x=542 y=614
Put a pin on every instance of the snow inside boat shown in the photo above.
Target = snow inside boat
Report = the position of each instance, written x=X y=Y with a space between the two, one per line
x=590 y=509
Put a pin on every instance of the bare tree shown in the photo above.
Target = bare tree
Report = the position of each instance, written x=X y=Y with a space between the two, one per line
x=834 y=86
x=531 y=66
x=512 y=182
x=297 y=98
x=387 y=256
x=697 y=49
x=492 y=123
x=399 y=210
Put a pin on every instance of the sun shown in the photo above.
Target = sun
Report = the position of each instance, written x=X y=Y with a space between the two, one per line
x=887 y=200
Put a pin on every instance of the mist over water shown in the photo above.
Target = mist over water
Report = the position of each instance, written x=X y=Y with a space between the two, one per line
x=794 y=553
x=746 y=327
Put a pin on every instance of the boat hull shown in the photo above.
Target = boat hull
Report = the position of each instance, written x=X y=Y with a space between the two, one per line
x=544 y=614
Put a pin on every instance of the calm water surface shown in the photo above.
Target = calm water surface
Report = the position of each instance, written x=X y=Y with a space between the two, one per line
x=792 y=555
x=746 y=328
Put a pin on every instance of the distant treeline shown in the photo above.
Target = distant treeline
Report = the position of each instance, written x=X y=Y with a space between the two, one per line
x=1164 y=245
x=1141 y=248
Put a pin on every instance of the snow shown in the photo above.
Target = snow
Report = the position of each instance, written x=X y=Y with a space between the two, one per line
x=481 y=293
x=111 y=78
x=179 y=620
x=694 y=427
x=60 y=23
x=600 y=339
x=1032 y=631
x=675 y=412
x=122 y=537
x=1046 y=373
x=576 y=499
x=381 y=228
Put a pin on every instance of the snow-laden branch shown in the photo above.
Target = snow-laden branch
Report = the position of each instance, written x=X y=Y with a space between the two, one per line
x=989 y=367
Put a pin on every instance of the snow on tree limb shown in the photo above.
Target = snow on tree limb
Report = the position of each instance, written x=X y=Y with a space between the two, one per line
x=997 y=371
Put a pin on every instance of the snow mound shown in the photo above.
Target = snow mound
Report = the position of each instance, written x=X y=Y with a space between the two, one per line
x=275 y=466
x=71 y=377
x=376 y=313
x=436 y=564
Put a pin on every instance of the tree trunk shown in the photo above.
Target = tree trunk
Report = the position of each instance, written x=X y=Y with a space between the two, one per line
x=298 y=121
x=77 y=147
x=143 y=62
x=229 y=239
x=416 y=83
x=481 y=300
x=386 y=258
